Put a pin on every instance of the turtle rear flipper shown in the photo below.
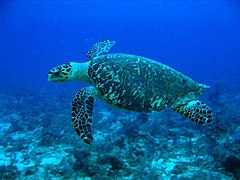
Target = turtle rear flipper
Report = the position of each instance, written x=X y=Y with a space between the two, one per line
x=100 y=48
x=82 y=107
x=197 y=111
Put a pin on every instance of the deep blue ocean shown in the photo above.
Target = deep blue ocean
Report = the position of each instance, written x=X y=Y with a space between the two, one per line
x=200 y=38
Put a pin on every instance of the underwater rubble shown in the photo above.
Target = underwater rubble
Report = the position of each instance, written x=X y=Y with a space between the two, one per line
x=39 y=142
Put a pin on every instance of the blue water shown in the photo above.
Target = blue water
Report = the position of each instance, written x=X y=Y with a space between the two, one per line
x=198 y=38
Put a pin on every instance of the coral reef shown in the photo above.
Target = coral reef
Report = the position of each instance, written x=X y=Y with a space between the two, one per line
x=38 y=141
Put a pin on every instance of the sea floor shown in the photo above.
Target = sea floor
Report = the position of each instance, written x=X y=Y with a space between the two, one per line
x=39 y=142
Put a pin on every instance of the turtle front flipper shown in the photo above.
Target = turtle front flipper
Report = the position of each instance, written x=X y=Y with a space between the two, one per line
x=196 y=110
x=82 y=110
x=100 y=48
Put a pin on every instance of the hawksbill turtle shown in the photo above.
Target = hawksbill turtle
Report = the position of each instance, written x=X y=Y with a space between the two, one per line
x=129 y=82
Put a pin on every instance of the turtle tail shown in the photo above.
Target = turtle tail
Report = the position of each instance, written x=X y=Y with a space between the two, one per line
x=197 y=111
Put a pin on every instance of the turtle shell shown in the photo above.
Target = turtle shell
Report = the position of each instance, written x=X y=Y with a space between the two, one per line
x=137 y=83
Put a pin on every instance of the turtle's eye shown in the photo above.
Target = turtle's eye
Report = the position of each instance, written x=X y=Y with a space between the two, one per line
x=56 y=73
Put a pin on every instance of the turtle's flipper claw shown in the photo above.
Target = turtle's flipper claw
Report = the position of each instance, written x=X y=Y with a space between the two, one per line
x=82 y=107
x=197 y=111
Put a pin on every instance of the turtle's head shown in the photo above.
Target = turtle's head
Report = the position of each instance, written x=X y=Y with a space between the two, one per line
x=69 y=72
x=61 y=73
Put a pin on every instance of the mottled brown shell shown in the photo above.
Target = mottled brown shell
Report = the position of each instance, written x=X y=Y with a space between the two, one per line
x=139 y=84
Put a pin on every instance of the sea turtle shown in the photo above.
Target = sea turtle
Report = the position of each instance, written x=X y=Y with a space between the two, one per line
x=129 y=82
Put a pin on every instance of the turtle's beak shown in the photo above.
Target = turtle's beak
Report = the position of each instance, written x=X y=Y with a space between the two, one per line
x=54 y=75
x=50 y=76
